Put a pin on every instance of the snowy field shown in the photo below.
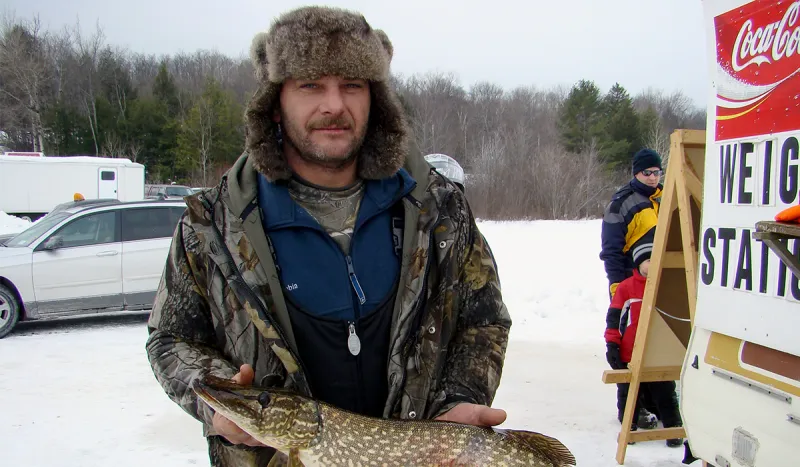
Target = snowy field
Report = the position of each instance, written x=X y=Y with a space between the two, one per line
x=11 y=224
x=80 y=392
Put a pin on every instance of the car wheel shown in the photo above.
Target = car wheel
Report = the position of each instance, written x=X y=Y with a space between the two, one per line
x=9 y=311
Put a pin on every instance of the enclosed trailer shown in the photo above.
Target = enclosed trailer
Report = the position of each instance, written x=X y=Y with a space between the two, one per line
x=31 y=186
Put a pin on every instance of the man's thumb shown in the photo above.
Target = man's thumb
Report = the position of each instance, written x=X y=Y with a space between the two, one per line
x=245 y=375
x=491 y=417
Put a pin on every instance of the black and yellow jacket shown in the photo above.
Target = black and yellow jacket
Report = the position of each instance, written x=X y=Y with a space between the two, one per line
x=628 y=224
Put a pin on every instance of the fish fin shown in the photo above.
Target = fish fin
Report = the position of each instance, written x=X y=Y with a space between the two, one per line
x=294 y=458
x=549 y=448
x=279 y=459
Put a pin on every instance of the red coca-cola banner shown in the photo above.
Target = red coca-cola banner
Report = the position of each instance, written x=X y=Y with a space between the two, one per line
x=758 y=69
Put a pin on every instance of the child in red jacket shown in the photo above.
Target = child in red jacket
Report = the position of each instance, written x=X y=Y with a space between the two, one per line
x=622 y=321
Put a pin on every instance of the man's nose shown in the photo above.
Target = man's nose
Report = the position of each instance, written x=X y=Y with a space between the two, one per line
x=332 y=102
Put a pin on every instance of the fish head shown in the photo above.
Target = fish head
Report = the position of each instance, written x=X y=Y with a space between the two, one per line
x=275 y=417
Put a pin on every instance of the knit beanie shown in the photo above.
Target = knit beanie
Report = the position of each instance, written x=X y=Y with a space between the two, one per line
x=645 y=159
x=643 y=247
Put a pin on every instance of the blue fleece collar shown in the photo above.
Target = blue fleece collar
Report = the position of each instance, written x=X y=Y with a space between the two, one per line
x=280 y=210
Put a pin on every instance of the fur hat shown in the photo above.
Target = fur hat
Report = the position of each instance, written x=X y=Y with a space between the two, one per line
x=311 y=42
x=644 y=159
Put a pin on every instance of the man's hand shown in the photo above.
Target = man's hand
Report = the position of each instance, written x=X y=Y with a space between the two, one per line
x=227 y=428
x=474 y=414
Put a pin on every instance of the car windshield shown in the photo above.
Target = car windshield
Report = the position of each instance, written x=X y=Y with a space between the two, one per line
x=29 y=235
x=178 y=191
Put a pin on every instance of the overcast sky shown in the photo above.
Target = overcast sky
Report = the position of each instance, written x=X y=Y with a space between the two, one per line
x=638 y=43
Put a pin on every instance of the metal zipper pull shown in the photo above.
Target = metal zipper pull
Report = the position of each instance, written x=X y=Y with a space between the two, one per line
x=362 y=298
x=353 y=342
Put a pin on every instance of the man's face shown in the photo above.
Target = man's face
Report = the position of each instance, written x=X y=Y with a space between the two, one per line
x=325 y=120
x=652 y=179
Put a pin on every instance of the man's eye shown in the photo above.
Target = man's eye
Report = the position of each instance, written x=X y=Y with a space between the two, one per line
x=308 y=86
x=354 y=85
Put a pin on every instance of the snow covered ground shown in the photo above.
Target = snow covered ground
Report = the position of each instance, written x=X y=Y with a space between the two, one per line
x=81 y=393
x=12 y=224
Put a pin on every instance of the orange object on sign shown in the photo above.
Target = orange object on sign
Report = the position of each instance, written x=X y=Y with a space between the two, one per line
x=791 y=214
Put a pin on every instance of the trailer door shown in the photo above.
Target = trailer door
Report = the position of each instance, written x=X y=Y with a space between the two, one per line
x=108 y=183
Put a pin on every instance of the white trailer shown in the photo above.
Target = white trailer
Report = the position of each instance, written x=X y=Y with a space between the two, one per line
x=31 y=186
x=740 y=382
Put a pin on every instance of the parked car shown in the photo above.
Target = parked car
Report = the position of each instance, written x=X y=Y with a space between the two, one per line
x=61 y=207
x=167 y=191
x=88 y=258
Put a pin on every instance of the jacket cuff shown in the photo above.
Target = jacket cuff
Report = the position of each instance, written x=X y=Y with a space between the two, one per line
x=452 y=401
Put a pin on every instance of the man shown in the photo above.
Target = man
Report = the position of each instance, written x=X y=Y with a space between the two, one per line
x=328 y=261
x=630 y=218
x=628 y=230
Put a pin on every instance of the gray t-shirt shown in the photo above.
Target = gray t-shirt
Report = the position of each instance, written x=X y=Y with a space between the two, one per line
x=335 y=210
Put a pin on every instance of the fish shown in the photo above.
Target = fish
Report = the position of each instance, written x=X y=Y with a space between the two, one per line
x=310 y=432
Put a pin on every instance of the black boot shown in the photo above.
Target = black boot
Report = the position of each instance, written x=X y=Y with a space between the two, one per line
x=646 y=420
x=675 y=442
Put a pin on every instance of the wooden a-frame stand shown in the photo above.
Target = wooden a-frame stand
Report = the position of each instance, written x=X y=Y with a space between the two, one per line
x=667 y=313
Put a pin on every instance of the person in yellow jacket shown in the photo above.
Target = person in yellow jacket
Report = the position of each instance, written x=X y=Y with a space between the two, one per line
x=629 y=225
x=630 y=218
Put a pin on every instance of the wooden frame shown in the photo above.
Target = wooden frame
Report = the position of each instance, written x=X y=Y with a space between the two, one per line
x=662 y=336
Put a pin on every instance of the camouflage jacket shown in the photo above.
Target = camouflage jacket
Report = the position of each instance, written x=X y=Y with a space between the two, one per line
x=220 y=305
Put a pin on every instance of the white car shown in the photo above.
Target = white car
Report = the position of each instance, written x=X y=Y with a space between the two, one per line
x=86 y=259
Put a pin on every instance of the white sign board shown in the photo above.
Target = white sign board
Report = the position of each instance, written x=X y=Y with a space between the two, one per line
x=752 y=171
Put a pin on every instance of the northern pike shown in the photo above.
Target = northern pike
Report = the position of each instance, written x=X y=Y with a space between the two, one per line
x=310 y=433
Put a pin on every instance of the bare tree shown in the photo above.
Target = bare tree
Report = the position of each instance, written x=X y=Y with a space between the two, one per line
x=25 y=73
x=656 y=137
x=113 y=145
x=134 y=148
x=88 y=53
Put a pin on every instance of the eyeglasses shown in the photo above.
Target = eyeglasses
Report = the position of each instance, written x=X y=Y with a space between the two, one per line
x=656 y=172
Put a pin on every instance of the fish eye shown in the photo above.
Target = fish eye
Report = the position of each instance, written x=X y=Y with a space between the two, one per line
x=264 y=399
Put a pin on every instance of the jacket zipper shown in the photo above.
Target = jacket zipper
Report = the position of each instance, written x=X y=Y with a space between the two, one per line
x=356 y=286
x=353 y=341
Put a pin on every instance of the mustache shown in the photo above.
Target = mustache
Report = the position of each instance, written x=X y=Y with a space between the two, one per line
x=337 y=122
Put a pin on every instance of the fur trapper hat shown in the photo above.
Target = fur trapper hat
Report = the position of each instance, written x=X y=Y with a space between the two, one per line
x=311 y=42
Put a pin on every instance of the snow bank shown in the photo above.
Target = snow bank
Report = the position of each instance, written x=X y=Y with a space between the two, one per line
x=12 y=224
x=90 y=394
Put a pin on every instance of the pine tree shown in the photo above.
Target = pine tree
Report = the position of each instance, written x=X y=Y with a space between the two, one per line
x=164 y=89
x=581 y=119
x=622 y=131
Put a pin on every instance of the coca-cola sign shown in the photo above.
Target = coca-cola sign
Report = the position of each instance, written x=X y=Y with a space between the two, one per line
x=758 y=72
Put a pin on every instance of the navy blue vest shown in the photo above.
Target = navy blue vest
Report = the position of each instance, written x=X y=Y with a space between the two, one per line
x=340 y=305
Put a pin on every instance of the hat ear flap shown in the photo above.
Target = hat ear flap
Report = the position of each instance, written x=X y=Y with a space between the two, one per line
x=386 y=43
x=258 y=55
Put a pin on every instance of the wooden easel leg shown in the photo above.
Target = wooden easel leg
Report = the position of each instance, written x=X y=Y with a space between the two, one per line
x=628 y=417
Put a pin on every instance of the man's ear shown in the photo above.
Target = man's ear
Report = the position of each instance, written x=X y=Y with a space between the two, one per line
x=276 y=116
